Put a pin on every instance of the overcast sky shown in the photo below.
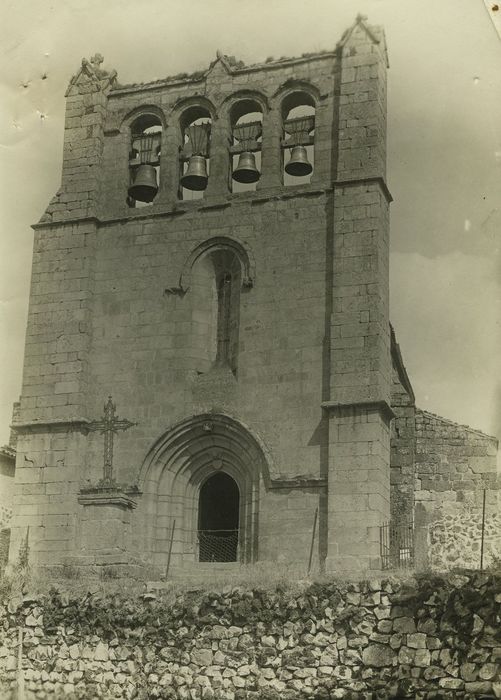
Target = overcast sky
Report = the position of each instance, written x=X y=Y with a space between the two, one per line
x=444 y=156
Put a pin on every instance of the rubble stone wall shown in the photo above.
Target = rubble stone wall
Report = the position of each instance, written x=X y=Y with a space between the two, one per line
x=454 y=464
x=456 y=539
x=403 y=442
x=393 y=638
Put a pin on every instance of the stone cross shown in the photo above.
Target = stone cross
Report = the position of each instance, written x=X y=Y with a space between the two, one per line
x=108 y=426
x=96 y=60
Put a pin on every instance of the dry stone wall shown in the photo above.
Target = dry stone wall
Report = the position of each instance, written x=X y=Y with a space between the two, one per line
x=427 y=638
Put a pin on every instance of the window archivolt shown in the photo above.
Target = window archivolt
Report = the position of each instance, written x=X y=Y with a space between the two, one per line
x=218 y=243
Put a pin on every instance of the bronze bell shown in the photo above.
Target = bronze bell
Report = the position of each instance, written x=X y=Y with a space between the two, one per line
x=299 y=164
x=246 y=170
x=195 y=177
x=144 y=187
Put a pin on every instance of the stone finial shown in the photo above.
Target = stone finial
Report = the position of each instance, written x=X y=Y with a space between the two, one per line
x=97 y=59
x=91 y=71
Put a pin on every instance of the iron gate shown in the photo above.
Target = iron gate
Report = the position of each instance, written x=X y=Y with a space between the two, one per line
x=396 y=544
x=217 y=545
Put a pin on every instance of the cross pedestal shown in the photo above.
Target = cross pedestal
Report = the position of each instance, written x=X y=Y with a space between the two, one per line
x=106 y=518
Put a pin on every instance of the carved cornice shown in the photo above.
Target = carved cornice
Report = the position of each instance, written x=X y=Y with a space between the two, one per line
x=382 y=406
x=106 y=493
x=55 y=425
x=299 y=482
x=366 y=181
x=180 y=208
x=66 y=222
x=116 y=498
x=8 y=451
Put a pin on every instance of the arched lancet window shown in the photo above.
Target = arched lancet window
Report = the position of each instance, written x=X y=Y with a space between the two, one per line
x=298 y=120
x=224 y=283
x=195 y=152
x=246 y=131
x=144 y=160
x=218 y=519
x=215 y=293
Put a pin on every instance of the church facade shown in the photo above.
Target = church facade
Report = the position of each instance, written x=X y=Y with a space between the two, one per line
x=210 y=372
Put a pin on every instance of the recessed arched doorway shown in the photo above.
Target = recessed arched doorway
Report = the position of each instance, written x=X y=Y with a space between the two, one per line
x=172 y=477
x=218 y=519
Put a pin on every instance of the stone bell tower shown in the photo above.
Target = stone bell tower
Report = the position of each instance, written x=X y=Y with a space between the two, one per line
x=214 y=272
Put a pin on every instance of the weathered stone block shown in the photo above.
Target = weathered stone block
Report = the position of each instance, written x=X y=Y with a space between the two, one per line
x=377 y=655
x=417 y=640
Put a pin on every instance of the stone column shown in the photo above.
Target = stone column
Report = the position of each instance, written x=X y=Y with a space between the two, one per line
x=271 y=157
x=169 y=166
x=219 y=159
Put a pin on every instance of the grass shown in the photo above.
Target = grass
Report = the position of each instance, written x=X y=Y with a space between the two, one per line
x=18 y=580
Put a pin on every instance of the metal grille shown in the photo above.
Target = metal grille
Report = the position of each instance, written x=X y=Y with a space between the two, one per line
x=217 y=545
x=397 y=545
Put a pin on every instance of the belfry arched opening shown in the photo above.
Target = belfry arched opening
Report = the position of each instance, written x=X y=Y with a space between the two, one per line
x=218 y=519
